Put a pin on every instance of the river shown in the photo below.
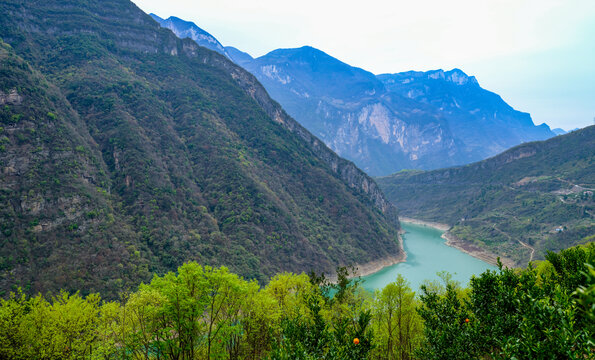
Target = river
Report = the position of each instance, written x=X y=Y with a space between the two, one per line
x=427 y=254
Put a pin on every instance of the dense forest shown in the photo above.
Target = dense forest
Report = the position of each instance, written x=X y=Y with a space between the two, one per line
x=536 y=196
x=547 y=311
x=126 y=151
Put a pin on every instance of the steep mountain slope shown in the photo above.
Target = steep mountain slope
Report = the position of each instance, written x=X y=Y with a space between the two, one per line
x=127 y=151
x=512 y=202
x=389 y=122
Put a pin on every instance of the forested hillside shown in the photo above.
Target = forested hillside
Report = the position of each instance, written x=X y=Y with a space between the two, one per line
x=126 y=151
x=535 y=197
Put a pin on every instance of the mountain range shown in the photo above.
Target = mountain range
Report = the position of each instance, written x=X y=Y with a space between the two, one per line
x=388 y=122
x=126 y=151
x=533 y=198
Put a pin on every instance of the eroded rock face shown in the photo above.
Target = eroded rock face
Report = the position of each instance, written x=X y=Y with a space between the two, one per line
x=351 y=110
x=389 y=122
x=12 y=97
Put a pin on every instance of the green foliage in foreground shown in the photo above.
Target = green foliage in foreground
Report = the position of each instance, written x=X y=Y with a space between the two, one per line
x=211 y=313
x=535 y=313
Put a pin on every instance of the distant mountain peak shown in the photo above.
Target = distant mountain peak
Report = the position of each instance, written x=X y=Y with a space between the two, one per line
x=455 y=76
x=305 y=52
x=188 y=29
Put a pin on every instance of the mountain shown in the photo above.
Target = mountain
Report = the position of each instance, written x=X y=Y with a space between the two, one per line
x=389 y=122
x=126 y=151
x=559 y=131
x=484 y=123
x=186 y=29
x=239 y=57
x=350 y=110
x=537 y=195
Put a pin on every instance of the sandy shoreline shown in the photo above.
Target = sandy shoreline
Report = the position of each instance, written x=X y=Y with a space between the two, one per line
x=377 y=265
x=436 y=225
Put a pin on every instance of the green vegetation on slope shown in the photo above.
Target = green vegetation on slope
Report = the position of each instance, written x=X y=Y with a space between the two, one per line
x=211 y=313
x=518 y=197
x=126 y=151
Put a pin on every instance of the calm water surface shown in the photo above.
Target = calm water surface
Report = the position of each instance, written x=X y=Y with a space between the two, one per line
x=427 y=254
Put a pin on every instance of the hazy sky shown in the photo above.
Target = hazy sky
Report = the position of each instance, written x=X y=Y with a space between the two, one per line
x=539 y=55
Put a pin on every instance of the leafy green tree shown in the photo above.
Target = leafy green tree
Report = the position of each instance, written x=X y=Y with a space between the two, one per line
x=12 y=312
x=144 y=328
x=447 y=330
x=260 y=322
x=180 y=313
x=290 y=292
x=397 y=325
x=226 y=293
x=111 y=332
x=64 y=328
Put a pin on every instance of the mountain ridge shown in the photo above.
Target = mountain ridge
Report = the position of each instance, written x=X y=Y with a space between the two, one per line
x=388 y=122
x=185 y=157
x=536 y=195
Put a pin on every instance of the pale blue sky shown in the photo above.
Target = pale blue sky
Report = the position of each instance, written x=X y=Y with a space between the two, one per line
x=539 y=55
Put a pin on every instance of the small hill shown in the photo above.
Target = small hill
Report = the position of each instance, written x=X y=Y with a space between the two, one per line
x=540 y=194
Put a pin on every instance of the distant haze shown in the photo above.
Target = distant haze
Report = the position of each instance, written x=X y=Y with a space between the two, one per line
x=537 y=54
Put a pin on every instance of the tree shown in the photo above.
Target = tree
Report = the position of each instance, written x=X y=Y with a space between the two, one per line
x=396 y=323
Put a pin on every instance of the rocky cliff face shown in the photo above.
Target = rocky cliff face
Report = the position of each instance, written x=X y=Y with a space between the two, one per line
x=390 y=122
x=350 y=110
x=483 y=123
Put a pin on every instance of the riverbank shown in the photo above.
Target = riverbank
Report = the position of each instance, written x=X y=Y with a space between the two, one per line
x=463 y=246
x=476 y=251
x=436 y=225
x=377 y=265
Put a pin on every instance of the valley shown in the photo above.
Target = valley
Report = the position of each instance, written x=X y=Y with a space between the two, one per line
x=427 y=256
x=163 y=196
x=533 y=198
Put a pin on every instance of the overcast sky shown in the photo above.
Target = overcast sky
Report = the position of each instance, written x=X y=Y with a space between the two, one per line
x=539 y=55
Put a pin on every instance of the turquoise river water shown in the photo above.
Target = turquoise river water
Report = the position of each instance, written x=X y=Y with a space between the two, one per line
x=427 y=254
